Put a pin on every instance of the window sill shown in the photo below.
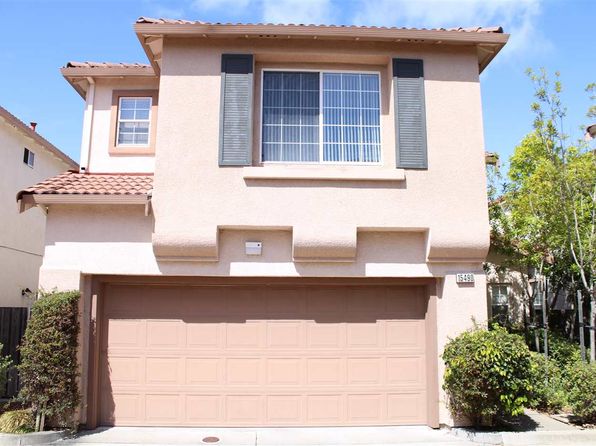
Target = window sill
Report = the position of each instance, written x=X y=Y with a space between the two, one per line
x=324 y=173
x=131 y=151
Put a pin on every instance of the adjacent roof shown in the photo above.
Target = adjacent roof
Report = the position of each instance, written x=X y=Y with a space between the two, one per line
x=29 y=132
x=73 y=183
x=150 y=31
x=76 y=73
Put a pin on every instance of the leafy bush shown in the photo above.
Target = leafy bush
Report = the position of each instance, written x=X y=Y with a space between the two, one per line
x=580 y=384
x=49 y=368
x=561 y=349
x=5 y=363
x=16 y=421
x=488 y=375
x=548 y=392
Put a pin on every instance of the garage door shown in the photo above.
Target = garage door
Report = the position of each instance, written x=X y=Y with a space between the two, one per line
x=263 y=356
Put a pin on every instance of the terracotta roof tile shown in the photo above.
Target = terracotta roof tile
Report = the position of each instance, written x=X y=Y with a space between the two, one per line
x=72 y=183
x=74 y=64
x=475 y=29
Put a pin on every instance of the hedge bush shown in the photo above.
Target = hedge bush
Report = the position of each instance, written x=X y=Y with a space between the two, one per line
x=580 y=384
x=548 y=392
x=16 y=421
x=49 y=369
x=5 y=363
x=488 y=375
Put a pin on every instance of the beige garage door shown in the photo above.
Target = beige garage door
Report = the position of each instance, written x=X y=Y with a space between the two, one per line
x=263 y=356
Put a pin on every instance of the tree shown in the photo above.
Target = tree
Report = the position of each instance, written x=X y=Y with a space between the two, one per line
x=547 y=214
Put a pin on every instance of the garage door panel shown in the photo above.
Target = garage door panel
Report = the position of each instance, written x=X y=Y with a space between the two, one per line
x=203 y=371
x=286 y=334
x=165 y=334
x=255 y=356
x=406 y=371
x=284 y=371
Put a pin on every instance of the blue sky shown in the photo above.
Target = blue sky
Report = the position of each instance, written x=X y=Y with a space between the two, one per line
x=38 y=37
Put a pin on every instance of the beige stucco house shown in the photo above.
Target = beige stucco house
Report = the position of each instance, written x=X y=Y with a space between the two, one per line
x=25 y=158
x=274 y=225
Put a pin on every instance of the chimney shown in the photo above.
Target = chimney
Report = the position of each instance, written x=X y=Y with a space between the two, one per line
x=33 y=125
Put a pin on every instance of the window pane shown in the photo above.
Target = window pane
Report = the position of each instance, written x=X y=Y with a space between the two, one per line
x=351 y=117
x=133 y=127
x=290 y=116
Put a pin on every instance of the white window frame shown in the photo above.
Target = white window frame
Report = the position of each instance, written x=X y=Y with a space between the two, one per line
x=321 y=142
x=492 y=293
x=119 y=120
x=30 y=157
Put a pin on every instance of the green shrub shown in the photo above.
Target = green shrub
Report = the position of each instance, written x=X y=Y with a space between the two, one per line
x=16 y=421
x=561 y=349
x=5 y=363
x=580 y=384
x=488 y=375
x=49 y=368
x=548 y=392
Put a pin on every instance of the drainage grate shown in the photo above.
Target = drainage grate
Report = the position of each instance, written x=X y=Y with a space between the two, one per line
x=210 y=440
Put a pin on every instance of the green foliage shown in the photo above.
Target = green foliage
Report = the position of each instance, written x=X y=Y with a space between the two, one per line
x=580 y=384
x=5 y=363
x=488 y=375
x=545 y=216
x=548 y=392
x=16 y=421
x=49 y=368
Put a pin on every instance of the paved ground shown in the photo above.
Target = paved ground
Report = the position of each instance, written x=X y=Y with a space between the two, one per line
x=345 y=436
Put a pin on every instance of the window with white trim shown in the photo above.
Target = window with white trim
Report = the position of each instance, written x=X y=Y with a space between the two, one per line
x=134 y=121
x=28 y=157
x=329 y=117
x=499 y=294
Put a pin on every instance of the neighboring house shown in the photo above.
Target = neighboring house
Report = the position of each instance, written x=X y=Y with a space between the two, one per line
x=270 y=222
x=25 y=158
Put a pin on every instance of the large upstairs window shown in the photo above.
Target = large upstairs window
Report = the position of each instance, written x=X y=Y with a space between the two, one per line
x=313 y=117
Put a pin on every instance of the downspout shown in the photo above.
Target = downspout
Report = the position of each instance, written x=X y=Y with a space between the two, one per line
x=87 y=127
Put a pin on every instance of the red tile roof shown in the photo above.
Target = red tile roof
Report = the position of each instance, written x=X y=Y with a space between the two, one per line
x=74 y=64
x=72 y=183
x=474 y=29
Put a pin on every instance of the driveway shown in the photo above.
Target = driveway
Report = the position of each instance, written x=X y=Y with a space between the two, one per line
x=323 y=436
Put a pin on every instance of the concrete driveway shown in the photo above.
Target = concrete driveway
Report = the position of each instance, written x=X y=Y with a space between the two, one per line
x=324 y=436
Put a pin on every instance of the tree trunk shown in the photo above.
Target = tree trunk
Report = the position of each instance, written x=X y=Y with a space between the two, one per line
x=593 y=329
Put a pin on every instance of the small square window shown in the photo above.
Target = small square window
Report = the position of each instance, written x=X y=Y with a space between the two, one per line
x=28 y=157
x=500 y=294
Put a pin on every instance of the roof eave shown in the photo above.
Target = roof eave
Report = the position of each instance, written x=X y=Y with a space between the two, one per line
x=72 y=74
x=332 y=32
x=27 y=200
x=493 y=40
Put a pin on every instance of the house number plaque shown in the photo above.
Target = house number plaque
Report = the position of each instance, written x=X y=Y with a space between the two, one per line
x=464 y=278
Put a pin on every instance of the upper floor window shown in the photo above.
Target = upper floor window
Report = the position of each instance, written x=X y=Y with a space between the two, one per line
x=28 y=157
x=331 y=117
x=134 y=121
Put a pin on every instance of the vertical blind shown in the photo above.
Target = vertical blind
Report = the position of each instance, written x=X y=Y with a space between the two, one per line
x=348 y=118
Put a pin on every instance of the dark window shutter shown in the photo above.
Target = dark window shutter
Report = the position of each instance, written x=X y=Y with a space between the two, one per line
x=235 y=127
x=410 y=115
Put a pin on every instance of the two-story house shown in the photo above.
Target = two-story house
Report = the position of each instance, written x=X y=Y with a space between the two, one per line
x=269 y=223
x=26 y=157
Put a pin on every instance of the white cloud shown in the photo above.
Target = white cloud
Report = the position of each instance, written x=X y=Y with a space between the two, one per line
x=518 y=17
x=298 y=11
x=220 y=5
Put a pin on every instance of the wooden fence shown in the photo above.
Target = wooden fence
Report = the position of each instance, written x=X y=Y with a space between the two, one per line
x=13 y=322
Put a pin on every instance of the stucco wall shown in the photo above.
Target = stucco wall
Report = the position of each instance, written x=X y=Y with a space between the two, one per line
x=117 y=240
x=449 y=198
x=100 y=160
x=21 y=235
